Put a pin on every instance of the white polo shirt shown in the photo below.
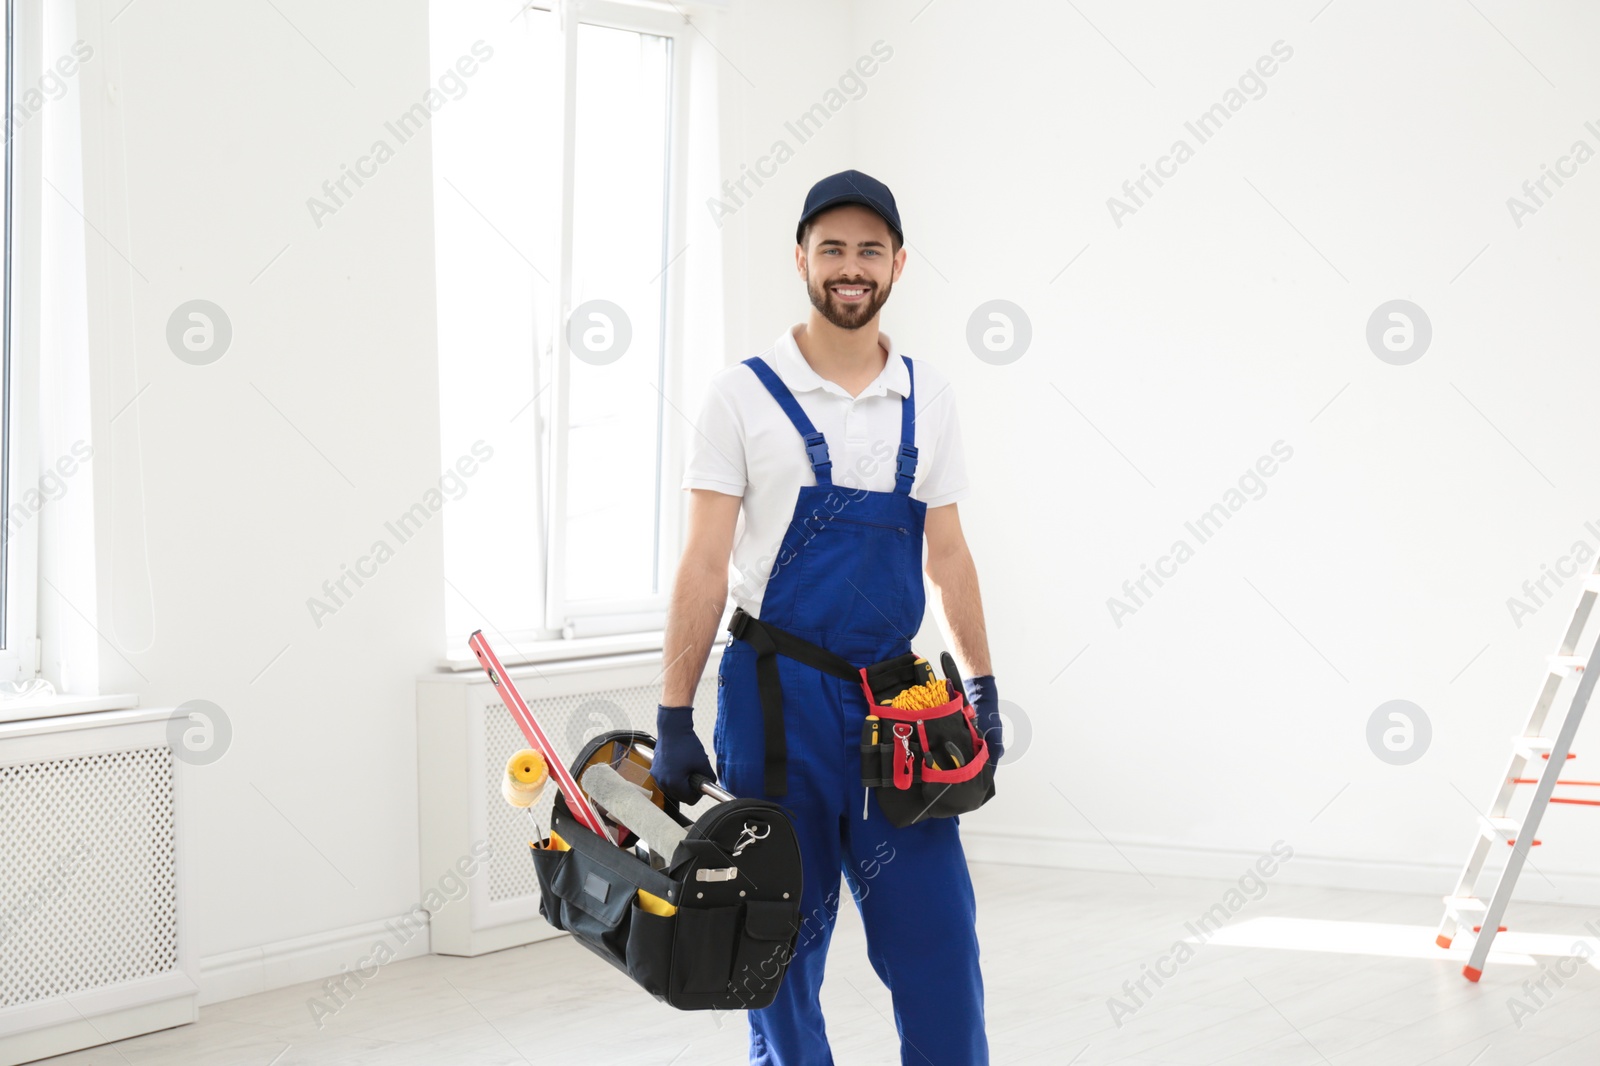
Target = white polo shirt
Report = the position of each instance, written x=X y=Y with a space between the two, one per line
x=744 y=445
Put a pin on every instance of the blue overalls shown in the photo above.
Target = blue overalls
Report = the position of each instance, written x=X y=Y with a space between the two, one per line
x=849 y=578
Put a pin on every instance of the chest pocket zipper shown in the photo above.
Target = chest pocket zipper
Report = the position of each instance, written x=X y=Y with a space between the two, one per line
x=861 y=522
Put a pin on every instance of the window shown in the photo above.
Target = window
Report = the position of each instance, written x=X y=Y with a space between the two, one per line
x=620 y=250
x=559 y=207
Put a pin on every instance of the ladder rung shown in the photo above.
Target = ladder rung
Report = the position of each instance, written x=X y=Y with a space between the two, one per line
x=1592 y=583
x=1560 y=664
x=1495 y=828
x=1528 y=747
x=1464 y=905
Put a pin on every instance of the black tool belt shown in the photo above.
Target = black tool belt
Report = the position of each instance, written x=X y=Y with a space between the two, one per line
x=881 y=681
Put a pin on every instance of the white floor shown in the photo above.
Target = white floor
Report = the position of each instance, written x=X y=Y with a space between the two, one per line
x=1057 y=946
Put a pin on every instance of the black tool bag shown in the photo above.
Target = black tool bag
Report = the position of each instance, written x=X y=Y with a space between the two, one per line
x=733 y=887
x=930 y=763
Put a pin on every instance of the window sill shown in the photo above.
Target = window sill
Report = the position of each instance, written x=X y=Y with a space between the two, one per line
x=63 y=704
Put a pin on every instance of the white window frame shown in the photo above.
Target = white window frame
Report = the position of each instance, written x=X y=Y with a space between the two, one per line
x=560 y=630
x=642 y=613
x=19 y=657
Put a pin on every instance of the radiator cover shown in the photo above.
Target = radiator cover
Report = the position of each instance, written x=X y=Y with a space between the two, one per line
x=91 y=896
x=92 y=938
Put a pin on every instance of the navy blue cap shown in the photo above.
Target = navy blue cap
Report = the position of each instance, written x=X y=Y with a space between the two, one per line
x=851 y=187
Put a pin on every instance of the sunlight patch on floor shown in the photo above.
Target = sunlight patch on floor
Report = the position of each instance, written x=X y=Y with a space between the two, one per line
x=1397 y=941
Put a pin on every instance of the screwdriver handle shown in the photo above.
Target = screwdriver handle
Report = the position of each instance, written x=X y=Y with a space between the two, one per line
x=952 y=675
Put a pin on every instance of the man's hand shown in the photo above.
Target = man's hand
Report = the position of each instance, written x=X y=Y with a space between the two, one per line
x=985 y=701
x=679 y=754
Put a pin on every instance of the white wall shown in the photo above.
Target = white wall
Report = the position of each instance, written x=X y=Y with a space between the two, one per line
x=781 y=60
x=1231 y=708
x=228 y=493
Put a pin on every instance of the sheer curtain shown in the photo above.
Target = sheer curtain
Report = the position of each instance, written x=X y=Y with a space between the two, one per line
x=495 y=177
x=66 y=526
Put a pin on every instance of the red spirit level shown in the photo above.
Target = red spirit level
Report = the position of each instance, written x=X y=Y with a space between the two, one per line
x=576 y=800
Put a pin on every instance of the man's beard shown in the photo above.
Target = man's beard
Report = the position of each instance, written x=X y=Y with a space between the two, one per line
x=848 y=316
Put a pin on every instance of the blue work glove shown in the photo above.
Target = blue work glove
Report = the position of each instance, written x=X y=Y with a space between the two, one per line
x=679 y=754
x=985 y=702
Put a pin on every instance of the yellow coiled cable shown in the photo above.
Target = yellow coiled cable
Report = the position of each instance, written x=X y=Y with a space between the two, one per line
x=924 y=697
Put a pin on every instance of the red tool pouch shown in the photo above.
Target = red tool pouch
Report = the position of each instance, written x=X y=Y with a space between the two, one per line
x=925 y=763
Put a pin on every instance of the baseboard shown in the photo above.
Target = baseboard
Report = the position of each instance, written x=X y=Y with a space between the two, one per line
x=46 y=1027
x=1323 y=871
x=232 y=974
x=473 y=942
x=80 y=1032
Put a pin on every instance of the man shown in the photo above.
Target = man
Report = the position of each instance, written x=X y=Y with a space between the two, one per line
x=820 y=466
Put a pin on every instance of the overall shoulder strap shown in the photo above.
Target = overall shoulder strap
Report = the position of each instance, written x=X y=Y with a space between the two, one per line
x=816 y=446
x=905 y=468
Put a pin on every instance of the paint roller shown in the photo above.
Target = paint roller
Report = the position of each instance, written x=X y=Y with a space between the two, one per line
x=525 y=777
x=630 y=805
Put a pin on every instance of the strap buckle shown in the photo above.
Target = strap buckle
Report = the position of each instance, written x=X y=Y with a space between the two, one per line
x=738 y=623
x=905 y=465
x=817 y=451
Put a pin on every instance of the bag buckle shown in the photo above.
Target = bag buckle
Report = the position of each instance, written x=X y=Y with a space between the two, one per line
x=749 y=836
x=726 y=873
x=903 y=759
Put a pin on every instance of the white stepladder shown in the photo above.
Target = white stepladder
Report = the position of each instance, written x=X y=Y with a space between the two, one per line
x=1462 y=908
